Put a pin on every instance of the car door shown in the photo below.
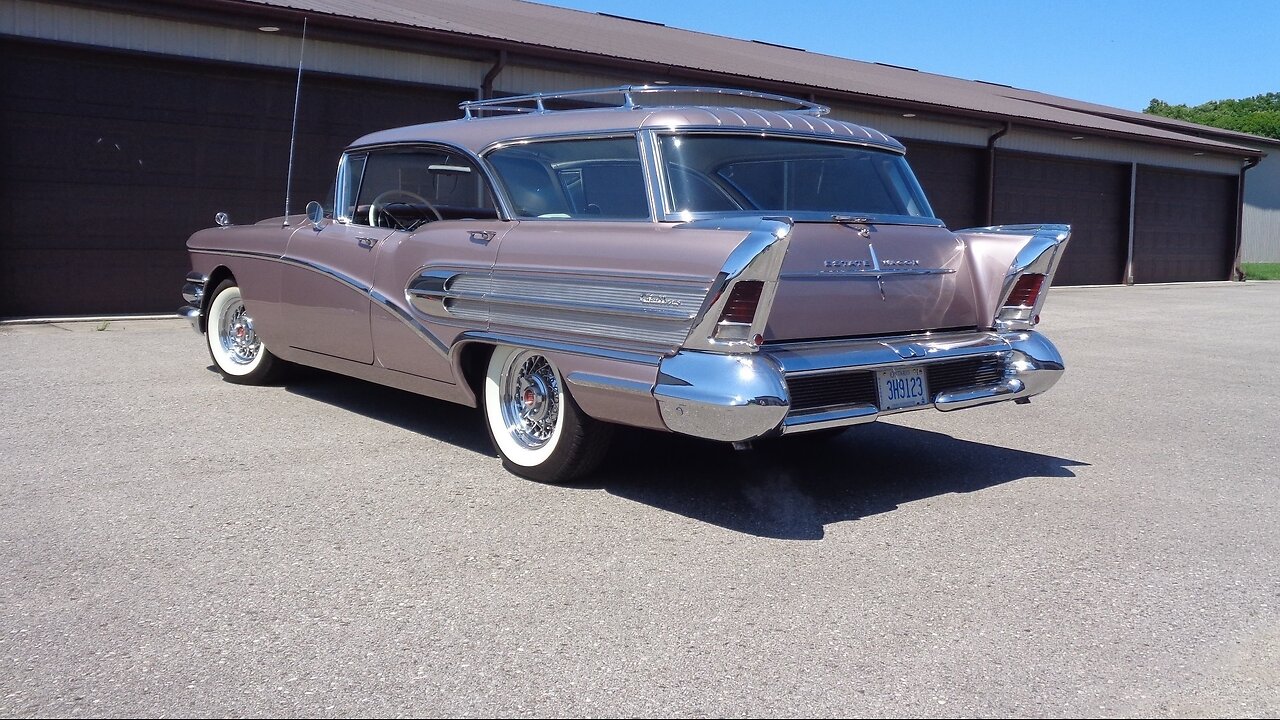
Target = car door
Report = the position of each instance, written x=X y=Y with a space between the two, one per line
x=431 y=280
x=586 y=260
x=325 y=286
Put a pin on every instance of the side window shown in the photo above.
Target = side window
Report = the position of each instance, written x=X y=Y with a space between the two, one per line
x=587 y=179
x=406 y=188
x=349 y=171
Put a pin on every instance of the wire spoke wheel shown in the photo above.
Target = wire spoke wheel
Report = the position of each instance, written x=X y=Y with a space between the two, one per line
x=530 y=400
x=537 y=428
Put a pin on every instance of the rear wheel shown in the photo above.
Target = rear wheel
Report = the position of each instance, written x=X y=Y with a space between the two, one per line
x=234 y=345
x=536 y=427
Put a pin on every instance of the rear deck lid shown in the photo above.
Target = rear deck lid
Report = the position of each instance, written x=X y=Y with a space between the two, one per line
x=851 y=279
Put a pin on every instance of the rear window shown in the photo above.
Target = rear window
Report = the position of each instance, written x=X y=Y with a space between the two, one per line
x=715 y=173
x=567 y=179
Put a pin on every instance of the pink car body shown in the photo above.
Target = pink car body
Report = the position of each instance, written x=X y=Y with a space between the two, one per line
x=725 y=272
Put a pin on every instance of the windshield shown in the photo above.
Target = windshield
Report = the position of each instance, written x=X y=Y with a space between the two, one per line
x=726 y=173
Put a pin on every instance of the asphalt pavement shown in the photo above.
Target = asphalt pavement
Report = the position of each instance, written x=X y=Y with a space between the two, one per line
x=174 y=545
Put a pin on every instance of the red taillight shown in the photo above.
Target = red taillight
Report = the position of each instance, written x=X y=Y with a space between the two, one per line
x=741 y=307
x=1025 y=291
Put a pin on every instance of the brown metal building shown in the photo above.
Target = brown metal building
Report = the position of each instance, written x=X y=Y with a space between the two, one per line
x=127 y=125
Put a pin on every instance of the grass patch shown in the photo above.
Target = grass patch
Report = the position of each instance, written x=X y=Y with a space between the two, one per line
x=1262 y=271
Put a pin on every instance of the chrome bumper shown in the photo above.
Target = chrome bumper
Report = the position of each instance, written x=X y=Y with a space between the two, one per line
x=742 y=397
x=193 y=293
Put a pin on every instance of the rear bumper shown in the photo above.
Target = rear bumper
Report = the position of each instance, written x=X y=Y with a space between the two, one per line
x=812 y=386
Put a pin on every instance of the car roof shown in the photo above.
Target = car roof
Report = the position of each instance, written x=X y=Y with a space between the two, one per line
x=476 y=133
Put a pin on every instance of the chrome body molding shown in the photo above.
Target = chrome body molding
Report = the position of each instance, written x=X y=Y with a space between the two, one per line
x=193 y=293
x=817 y=358
x=738 y=398
x=637 y=356
x=635 y=309
x=865 y=273
x=374 y=296
x=610 y=384
x=721 y=397
x=403 y=316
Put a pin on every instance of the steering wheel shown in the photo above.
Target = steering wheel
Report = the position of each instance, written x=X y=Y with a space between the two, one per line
x=380 y=204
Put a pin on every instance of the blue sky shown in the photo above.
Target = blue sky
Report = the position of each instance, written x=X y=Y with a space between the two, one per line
x=1120 y=53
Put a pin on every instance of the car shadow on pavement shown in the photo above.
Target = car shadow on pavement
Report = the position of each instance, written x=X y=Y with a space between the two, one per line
x=788 y=489
x=445 y=421
x=794 y=487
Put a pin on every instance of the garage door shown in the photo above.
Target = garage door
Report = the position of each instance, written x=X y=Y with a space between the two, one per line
x=1184 y=226
x=954 y=180
x=1091 y=197
x=113 y=160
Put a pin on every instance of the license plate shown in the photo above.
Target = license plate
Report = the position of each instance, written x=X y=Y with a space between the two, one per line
x=902 y=387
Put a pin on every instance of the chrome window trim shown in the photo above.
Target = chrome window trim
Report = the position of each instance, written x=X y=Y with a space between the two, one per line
x=344 y=174
x=803 y=217
x=616 y=134
x=812 y=136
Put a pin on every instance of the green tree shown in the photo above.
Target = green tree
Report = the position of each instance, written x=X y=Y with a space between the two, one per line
x=1257 y=115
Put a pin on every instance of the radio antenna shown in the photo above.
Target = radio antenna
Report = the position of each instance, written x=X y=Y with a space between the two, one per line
x=293 y=134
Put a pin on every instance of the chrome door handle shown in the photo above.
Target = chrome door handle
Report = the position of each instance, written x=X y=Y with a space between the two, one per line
x=366 y=242
x=482 y=236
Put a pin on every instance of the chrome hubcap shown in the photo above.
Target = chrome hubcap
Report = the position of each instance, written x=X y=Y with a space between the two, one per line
x=235 y=333
x=530 y=400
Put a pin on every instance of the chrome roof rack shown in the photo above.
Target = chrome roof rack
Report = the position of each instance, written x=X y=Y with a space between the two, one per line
x=535 y=103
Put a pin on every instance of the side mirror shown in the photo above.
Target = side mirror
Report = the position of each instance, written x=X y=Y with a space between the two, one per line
x=315 y=213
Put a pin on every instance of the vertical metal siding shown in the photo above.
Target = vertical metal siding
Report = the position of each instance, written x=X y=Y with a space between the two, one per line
x=1261 y=242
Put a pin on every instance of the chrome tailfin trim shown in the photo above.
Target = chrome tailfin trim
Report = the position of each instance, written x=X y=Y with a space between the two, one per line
x=758 y=258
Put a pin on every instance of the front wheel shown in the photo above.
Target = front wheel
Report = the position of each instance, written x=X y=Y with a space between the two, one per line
x=535 y=425
x=234 y=345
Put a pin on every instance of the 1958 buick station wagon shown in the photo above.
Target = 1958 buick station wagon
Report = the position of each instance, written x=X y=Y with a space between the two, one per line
x=726 y=272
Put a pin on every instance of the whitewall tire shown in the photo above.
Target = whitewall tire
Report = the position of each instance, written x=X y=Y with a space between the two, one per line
x=234 y=345
x=534 y=424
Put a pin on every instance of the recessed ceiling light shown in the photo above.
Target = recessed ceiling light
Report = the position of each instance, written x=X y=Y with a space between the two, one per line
x=1077 y=137
x=269 y=28
x=908 y=114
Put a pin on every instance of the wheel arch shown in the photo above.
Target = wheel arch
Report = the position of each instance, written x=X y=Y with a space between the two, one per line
x=216 y=277
x=470 y=366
